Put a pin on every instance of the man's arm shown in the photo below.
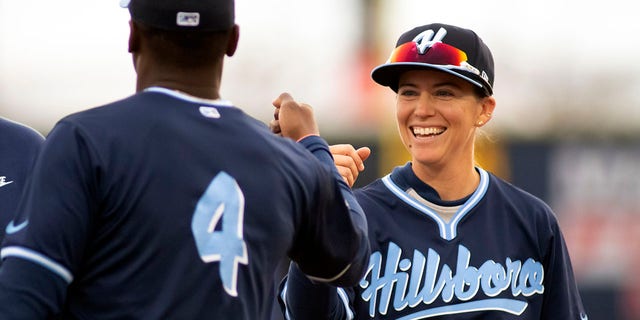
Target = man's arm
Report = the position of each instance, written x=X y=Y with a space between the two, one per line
x=296 y=121
x=300 y=298
x=29 y=291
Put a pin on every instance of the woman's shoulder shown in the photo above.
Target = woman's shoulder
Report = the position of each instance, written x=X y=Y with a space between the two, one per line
x=510 y=188
x=508 y=194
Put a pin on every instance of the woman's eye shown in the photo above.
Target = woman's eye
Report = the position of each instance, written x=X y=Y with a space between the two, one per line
x=407 y=93
x=444 y=93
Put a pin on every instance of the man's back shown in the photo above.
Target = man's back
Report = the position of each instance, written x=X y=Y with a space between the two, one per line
x=185 y=209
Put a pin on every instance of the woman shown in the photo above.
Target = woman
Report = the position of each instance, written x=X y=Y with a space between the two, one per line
x=448 y=239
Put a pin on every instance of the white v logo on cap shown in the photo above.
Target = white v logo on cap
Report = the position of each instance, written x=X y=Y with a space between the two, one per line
x=426 y=39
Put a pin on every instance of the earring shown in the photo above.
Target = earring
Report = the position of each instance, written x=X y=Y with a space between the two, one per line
x=480 y=122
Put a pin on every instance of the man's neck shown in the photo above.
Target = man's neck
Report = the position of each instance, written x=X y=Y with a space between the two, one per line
x=201 y=82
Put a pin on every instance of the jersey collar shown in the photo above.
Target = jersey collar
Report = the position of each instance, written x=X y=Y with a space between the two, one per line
x=183 y=96
x=448 y=230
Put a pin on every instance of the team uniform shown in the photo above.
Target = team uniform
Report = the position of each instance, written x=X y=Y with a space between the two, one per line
x=166 y=206
x=497 y=254
x=19 y=147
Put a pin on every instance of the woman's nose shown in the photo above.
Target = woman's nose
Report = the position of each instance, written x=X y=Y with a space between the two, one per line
x=424 y=106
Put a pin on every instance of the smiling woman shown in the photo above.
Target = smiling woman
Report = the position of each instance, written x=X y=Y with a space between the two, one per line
x=446 y=107
x=447 y=236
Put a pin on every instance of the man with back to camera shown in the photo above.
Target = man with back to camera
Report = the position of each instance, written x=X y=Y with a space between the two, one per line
x=173 y=203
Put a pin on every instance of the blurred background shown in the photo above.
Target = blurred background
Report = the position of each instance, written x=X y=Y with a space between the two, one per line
x=565 y=128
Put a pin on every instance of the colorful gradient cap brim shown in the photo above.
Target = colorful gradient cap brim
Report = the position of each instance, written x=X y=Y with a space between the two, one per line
x=443 y=47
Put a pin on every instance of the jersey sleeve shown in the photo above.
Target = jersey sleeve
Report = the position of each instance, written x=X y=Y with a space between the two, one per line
x=29 y=291
x=561 y=297
x=336 y=246
x=55 y=216
x=300 y=298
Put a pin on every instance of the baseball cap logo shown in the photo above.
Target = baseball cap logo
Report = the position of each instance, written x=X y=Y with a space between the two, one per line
x=426 y=39
x=484 y=76
x=188 y=19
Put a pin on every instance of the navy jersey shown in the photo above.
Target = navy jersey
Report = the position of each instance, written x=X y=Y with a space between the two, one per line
x=500 y=256
x=165 y=206
x=19 y=145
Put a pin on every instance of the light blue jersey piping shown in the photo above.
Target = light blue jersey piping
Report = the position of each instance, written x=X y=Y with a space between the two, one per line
x=37 y=258
x=448 y=231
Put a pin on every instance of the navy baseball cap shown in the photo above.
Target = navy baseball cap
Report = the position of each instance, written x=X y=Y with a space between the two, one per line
x=201 y=15
x=448 y=48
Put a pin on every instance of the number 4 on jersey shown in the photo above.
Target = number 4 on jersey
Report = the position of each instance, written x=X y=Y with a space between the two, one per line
x=224 y=200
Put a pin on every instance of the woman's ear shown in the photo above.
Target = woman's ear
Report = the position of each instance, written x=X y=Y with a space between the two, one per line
x=488 y=104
